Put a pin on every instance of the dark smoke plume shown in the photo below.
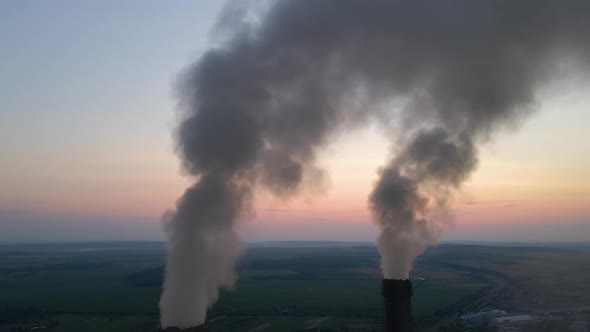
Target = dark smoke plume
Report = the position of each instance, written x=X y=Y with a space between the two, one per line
x=441 y=76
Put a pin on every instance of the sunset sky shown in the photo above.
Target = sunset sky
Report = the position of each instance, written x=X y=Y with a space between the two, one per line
x=87 y=109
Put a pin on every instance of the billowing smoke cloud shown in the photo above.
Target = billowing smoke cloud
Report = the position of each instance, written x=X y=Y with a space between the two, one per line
x=441 y=76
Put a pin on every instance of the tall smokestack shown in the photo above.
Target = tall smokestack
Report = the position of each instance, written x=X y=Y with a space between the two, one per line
x=440 y=77
x=200 y=328
x=397 y=305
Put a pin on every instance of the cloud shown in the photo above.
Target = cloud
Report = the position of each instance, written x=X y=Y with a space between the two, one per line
x=510 y=205
x=458 y=211
x=289 y=210
x=280 y=210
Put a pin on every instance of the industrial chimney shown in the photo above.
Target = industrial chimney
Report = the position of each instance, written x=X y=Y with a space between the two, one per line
x=397 y=305
x=200 y=328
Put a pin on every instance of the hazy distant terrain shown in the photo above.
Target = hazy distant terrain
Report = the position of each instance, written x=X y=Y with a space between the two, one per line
x=292 y=286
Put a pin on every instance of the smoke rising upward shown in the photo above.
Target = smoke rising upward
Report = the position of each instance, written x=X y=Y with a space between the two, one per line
x=258 y=108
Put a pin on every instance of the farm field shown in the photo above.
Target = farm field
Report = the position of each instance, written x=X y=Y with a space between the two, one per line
x=116 y=286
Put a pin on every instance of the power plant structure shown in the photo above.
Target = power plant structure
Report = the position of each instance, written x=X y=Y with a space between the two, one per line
x=200 y=328
x=397 y=308
x=397 y=305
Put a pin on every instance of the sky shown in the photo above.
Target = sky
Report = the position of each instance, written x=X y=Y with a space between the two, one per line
x=87 y=110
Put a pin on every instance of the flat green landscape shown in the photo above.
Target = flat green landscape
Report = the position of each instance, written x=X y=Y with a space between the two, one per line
x=116 y=286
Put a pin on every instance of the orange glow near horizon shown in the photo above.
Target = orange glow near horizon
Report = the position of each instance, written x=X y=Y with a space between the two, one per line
x=516 y=182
